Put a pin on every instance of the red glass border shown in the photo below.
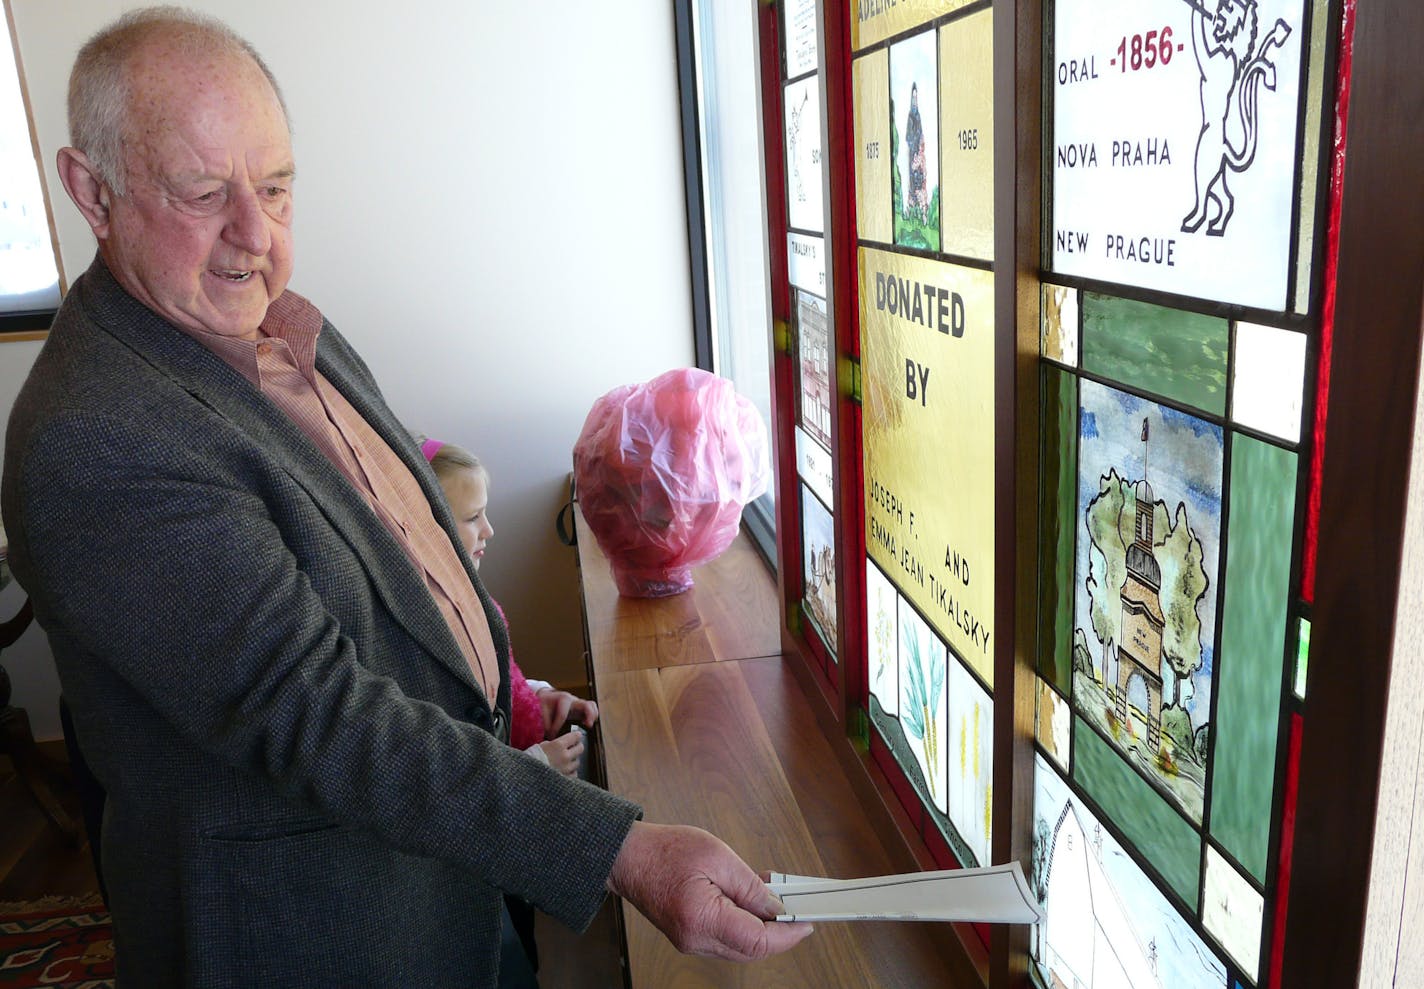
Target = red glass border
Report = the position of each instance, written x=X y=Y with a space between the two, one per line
x=1327 y=309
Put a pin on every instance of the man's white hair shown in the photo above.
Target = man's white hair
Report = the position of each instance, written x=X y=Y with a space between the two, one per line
x=98 y=83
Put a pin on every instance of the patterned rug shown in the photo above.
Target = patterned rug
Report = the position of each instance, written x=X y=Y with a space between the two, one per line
x=60 y=942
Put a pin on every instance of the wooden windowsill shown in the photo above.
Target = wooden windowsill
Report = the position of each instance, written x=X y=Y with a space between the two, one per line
x=704 y=722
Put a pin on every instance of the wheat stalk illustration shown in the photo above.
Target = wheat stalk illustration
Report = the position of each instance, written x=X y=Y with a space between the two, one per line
x=922 y=694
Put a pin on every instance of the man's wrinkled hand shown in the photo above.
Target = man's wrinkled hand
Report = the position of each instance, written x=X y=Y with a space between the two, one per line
x=700 y=894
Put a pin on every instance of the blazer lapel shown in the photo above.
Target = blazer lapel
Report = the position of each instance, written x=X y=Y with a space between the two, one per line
x=210 y=381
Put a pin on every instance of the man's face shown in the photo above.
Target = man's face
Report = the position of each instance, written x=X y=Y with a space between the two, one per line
x=203 y=234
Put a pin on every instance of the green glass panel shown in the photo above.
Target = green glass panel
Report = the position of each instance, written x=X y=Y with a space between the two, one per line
x=1178 y=355
x=1058 y=469
x=1253 y=639
x=1159 y=833
x=1302 y=656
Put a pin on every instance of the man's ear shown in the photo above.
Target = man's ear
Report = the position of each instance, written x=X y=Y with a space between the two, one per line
x=85 y=187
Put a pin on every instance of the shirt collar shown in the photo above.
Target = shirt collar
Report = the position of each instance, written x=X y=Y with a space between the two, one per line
x=290 y=317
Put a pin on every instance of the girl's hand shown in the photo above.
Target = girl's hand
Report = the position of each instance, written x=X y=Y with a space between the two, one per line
x=563 y=752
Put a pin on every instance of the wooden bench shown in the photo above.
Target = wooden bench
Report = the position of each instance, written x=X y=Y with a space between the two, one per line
x=703 y=722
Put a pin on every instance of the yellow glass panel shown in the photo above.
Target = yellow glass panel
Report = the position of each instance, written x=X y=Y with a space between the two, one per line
x=927 y=348
x=872 y=21
x=966 y=78
x=871 y=80
x=1060 y=323
x=1310 y=153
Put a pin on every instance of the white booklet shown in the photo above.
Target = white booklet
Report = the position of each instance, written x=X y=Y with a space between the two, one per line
x=995 y=895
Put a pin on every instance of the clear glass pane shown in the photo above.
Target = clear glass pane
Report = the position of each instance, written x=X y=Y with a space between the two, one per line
x=1269 y=373
x=1231 y=910
x=729 y=113
x=28 y=277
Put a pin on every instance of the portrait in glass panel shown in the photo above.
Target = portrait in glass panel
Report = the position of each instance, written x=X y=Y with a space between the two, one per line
x=1149 y=524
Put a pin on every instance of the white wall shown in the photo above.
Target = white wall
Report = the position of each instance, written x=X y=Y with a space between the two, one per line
x=489 y=205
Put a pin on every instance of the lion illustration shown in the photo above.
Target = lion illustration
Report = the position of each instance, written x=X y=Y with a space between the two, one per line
x=1233 y=70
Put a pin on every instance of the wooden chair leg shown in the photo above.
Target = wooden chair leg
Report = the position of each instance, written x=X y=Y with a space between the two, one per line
x=18 y=742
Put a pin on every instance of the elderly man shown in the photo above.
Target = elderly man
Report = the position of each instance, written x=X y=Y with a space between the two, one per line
x=281 y=664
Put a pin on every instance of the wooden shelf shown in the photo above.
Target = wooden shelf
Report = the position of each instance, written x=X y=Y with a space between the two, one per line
x=704 y=722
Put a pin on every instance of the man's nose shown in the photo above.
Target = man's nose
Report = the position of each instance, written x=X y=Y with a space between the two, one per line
x=247 y=225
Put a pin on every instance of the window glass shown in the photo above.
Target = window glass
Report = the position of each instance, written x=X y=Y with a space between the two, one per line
x=28 y=278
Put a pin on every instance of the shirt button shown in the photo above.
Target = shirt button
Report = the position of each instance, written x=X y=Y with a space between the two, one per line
x=264 y=348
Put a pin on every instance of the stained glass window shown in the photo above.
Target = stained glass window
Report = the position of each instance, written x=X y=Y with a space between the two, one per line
x=1171 y=643
x=922 y=114
x=811 y=341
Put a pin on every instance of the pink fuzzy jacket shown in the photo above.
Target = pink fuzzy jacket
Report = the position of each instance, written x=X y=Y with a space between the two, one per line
x=526 y=721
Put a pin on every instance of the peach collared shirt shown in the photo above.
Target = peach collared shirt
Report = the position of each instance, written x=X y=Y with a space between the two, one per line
x=282 y=365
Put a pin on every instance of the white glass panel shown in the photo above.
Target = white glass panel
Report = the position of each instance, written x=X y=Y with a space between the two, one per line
x=28 y=279
x=806 y=262
x=882 y=614
x=1107 y=925
x=802 y=118
x=922 y=699
x=813 y=463
x=800 y=32
x=1160 y=179
x=1231 y=911
x=971 y=761
x=1269 y=380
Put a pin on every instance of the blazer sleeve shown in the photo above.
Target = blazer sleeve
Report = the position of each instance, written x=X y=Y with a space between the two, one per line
x=152 y=546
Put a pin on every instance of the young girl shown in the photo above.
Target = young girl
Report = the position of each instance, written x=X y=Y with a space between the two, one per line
x=538 y=711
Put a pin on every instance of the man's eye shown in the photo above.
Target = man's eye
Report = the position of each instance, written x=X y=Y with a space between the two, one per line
x=207 y=197
x=274 y=192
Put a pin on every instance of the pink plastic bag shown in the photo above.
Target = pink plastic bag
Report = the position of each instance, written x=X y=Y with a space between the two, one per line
x=662 y=471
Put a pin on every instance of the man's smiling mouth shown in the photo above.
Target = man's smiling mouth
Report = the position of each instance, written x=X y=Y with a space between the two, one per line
x=231 y=275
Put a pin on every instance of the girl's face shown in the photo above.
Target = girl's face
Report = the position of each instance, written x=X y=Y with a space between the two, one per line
x=468 y=494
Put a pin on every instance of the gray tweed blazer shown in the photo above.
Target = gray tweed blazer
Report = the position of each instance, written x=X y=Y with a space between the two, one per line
x=303 y=787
